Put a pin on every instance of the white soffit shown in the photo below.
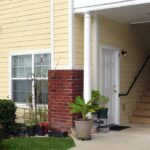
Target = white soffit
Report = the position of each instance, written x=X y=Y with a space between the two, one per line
x=128 y=14
x=125 y=11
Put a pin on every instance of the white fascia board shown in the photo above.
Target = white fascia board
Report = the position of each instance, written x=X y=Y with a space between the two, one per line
x=71 y=33
x=97 y=7
x=86 y=3
x=52 y=32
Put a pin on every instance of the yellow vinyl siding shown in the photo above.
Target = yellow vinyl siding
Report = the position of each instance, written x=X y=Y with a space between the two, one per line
x=79 y=41
x=61 y=33
x=25 y=25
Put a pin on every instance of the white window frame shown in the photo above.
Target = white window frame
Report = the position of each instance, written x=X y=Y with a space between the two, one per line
x=19 y=53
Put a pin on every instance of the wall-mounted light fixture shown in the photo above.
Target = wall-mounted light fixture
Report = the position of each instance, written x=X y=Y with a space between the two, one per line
x=124 y=53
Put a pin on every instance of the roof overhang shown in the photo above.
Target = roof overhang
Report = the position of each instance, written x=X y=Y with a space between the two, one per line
x=94 y=5
x=125 y=11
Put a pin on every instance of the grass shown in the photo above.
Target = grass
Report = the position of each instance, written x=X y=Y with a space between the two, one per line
x=37 y=144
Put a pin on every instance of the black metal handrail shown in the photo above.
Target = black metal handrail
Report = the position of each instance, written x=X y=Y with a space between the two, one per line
x=135 y=79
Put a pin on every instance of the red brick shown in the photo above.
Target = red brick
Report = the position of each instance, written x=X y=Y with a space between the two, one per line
x=63 y=87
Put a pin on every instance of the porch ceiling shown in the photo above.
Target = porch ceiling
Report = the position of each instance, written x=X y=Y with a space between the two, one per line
x=128 y=14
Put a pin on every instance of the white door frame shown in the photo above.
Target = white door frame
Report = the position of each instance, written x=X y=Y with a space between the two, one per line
x=117 y=65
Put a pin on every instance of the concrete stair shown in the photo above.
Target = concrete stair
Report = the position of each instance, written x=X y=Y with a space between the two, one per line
x=142 y=113
x=145 y=99
x=143 y=106
x=140 y=120
x=147 y=93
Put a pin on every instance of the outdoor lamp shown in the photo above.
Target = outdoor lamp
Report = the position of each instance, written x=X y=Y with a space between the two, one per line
x=124 y=53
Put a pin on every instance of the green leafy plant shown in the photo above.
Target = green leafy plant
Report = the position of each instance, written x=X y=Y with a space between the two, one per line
x=42 y=114
x=34 y=116
x=30 y=115
x=30 y=118
x=7 y=115
x=96 y=96
x=101 y=100
x=81 y=107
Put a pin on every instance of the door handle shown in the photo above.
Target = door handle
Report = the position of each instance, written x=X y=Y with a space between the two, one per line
x=114 y=89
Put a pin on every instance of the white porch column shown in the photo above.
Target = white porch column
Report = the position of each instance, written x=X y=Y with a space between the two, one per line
x=96 y=48
x=87 y=56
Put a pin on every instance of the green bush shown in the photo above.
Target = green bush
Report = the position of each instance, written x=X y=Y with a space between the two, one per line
x=2 y=134
x=7 y=115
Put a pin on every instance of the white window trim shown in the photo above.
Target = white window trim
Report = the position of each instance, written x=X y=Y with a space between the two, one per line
x=25 y=52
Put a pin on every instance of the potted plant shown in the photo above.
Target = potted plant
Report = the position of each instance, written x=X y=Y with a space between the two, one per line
x=36 y=122
x=31 y=125
x=42 y=126
x=30 y=118
x=103 y=112
x=83 y=126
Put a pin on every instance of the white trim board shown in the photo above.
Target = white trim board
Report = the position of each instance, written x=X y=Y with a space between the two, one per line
x=71 y=34
x=102 y=6
x=52 y=32
x=25 y=52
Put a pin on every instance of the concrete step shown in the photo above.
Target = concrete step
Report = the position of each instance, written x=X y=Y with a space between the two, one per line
x=140 y=120
x=148 y=87
x=141 y=112
x=147 y=93
x=145 y=106
x=145 y=99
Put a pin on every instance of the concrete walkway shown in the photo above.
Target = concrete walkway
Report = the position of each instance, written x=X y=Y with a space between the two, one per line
x=135 y=138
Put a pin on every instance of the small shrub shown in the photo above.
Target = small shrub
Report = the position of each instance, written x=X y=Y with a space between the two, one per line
x=7 y=115
x=1 y=134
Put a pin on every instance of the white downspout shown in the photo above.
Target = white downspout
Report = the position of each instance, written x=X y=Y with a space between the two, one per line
x=52 y=34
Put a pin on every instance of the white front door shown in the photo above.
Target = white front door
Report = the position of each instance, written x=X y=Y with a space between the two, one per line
x=109 y=83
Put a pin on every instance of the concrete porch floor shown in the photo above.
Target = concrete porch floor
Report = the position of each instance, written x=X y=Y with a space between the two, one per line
x=135 y=138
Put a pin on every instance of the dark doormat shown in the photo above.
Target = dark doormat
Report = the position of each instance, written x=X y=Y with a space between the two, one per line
x=118 y=128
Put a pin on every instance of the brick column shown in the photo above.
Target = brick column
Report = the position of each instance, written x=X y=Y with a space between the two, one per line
x=64 y=87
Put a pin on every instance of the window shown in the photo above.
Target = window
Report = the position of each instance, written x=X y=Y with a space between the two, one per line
x=27 y=71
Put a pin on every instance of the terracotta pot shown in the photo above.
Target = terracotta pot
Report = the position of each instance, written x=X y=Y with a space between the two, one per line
x=83 y=129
